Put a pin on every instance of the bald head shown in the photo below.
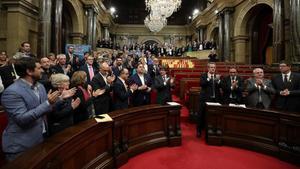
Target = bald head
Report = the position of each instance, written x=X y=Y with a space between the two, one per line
x=104 y=68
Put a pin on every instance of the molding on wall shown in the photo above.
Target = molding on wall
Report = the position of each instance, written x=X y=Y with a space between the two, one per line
x=23 y=7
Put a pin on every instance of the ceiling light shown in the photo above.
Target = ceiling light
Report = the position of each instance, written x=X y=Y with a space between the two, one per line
x=112 y=10
x=196 y=11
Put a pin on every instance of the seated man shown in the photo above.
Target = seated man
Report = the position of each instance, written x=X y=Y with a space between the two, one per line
x=259 y=90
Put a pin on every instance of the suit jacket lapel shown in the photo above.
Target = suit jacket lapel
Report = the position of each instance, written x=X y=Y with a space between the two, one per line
x=29 y=91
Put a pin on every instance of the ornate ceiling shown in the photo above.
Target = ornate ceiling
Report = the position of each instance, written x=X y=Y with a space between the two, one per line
x=133 y=11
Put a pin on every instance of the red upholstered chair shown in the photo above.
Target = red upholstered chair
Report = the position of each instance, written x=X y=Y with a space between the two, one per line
x=3 y=123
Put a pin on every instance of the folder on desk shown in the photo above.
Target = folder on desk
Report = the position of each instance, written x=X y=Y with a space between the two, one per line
x=103 y=118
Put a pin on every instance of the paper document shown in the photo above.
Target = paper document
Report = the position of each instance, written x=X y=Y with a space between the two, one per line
x=237 y=105
x=103 y=118
x=213 y=103
x=173 y=103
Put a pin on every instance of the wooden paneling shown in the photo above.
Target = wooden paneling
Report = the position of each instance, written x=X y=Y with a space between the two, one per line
x=106 y=145
x=267 y=131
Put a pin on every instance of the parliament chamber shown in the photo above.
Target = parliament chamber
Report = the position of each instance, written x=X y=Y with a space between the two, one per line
x=158 y=84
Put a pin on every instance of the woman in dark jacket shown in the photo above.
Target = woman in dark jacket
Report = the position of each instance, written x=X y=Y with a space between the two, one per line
x=62 y=115
x=85 y=110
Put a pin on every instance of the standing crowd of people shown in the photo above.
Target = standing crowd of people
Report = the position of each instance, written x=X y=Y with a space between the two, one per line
x=166 y=49
x=45 y=96
x=282 y=92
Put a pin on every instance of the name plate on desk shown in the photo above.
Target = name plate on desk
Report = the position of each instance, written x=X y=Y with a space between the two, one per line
x=103 y=118
x=213 y=104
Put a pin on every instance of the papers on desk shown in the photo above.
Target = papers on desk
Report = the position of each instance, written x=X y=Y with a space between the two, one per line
x=103 y=118
x=237 y=105
x=173 y=103
x=213 y=104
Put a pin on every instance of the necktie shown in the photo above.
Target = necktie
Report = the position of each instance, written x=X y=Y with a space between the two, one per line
x=213 y=86
x=91 y=72
x=285 y=78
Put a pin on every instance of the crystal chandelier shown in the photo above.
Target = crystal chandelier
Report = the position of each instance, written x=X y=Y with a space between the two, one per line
x=155 y=22
x=159 y=11
x=170 y=5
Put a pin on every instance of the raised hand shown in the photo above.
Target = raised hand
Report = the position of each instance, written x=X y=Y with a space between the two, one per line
x=68 y=93
x=98 y=92
x=172 y=80
x=110 y=79
x=134 y=87
x=75 y=103
x=53 y=96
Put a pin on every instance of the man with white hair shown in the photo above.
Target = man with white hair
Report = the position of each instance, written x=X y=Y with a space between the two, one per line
x=259 y=90
x=62 y=66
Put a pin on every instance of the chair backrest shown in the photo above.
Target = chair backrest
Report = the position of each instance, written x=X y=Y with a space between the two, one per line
x=3 y=123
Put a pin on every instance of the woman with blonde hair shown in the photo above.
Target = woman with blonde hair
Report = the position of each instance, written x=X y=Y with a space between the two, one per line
x=62 y=115
x=84 y=92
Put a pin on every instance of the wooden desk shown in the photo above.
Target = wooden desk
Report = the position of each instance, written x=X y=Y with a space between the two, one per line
x=267 y=131
x=106 y=145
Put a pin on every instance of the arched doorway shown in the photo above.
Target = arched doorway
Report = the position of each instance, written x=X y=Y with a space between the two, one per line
x=253 y=33
x=260 y=34
x=214 y=37
x=67 y=24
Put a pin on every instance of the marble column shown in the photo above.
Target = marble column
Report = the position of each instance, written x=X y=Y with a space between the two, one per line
x=201 y=30
x=45 y=27
x=106 y=33
x=221 y=37
x=227 y=34
x=295 y=30
x=278 y=31
x=90 y=25
x=94 y=31
x=58 y=26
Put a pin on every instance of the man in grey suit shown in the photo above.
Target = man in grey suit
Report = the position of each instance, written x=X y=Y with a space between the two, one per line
x=259 y=90
x=26 y=103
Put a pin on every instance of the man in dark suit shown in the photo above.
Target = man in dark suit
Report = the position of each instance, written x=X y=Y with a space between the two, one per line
x=45 y=63
x=89 y=68
x=232 y=87
x=62 y=66
x=259 y=90
x=287 y=86
x=163 y=84
x=118 y=67
x=121 y=91
x=26 y=103
x=154 y=69
x=73 y=59
x=210 y=84
x=142 y=95
x=102 y=80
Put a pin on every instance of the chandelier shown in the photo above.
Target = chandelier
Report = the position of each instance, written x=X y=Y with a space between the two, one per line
x=155 y=22
x=159 y=11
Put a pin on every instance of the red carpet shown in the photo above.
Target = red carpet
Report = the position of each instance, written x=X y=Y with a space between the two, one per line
x=195 y=154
